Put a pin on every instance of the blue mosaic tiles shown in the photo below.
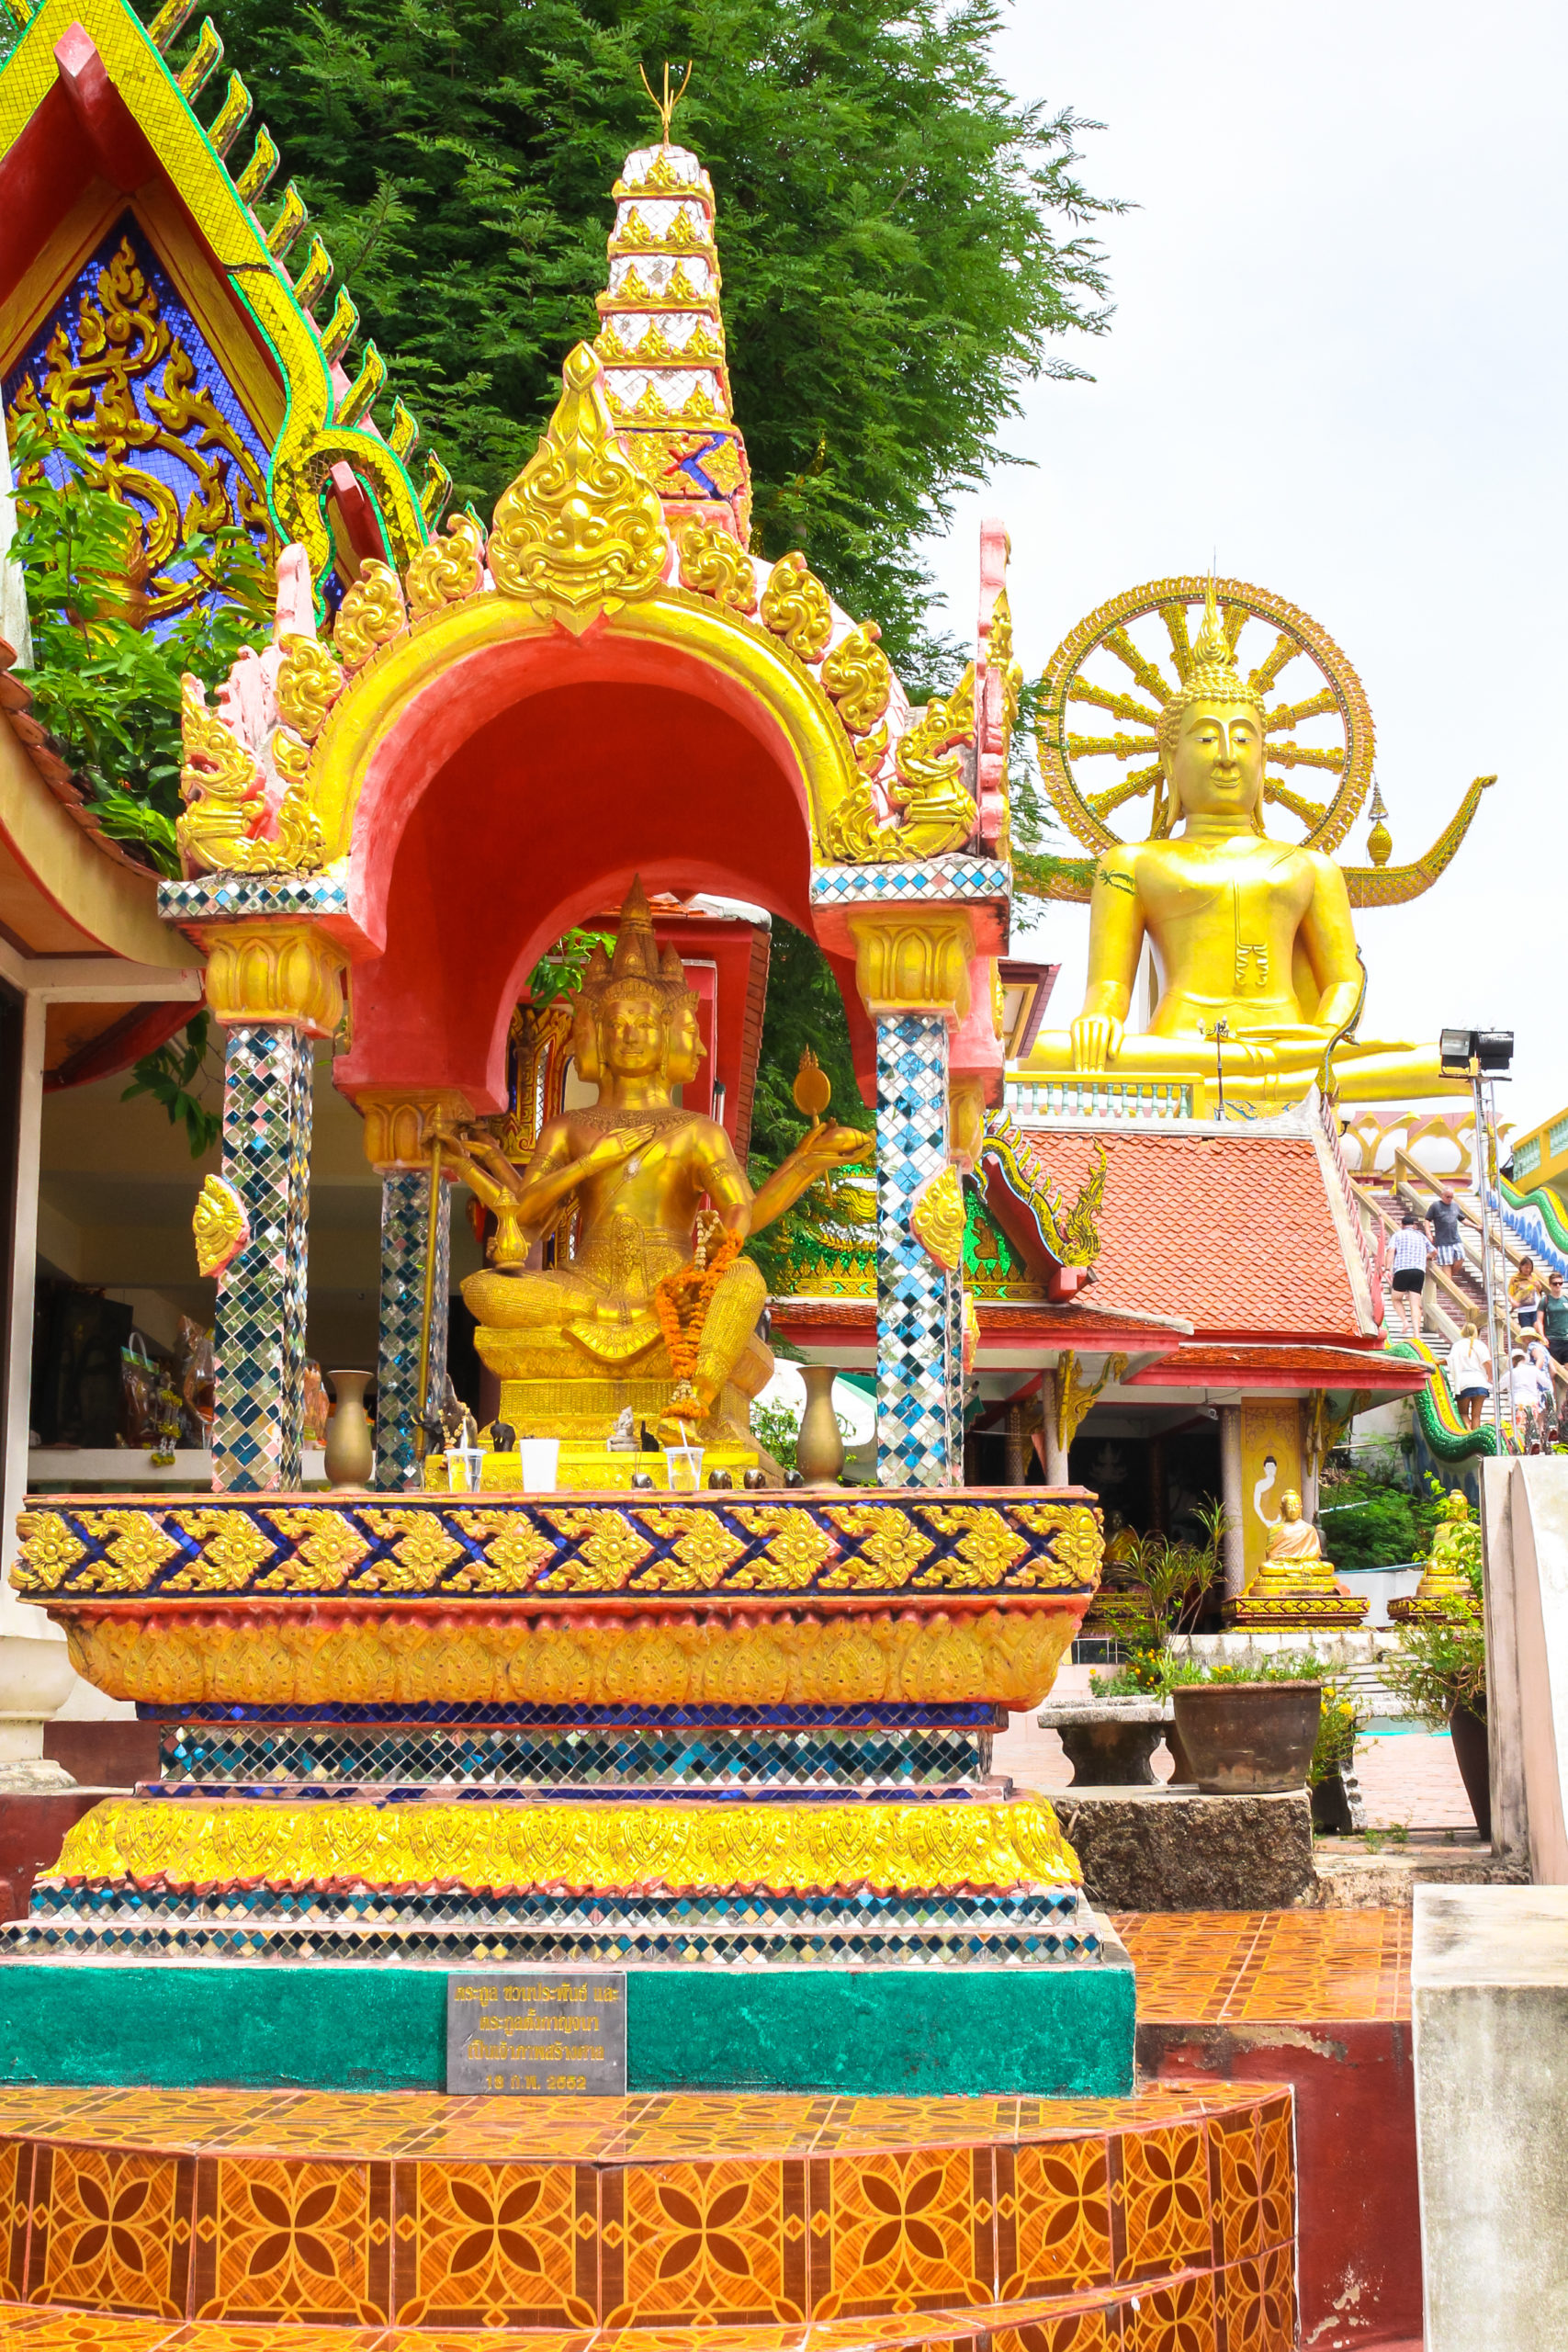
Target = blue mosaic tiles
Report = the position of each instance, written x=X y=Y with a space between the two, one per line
x=405 y=1214
x=972 y=1714
x=919 y=1438
x=260 y=1337
x=237 y=898
x=487 y=1757
x=930 y=879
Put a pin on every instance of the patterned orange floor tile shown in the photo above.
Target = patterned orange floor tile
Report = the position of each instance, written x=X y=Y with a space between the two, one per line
x=496 y=2245
x=81 y=2332
x=719 y=2244
x=41 y=2106
x=292 y=2242
x=714 y=2127
x=1182 y=2317
x=1213 y=1968
x=915 y=2122
x=206 y=2336
x=899 y=2230
x=1056 y=2238
x=1165 y=2200
x=111 y=2230
x=477 y=2339
x=701 y=2340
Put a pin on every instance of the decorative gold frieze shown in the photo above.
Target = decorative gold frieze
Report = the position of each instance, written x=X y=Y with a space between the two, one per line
x=580 y=531
x=397 y=1126
x=937 y=1214
x=583 y=1849
x=911 y=1655
x=714 y=563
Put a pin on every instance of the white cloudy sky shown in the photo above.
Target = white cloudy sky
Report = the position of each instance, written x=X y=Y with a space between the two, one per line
x=1338 y=357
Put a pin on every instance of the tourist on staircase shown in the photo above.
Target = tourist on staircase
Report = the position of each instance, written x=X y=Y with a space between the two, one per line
x=1524 y=1295
x=1443 y=1218
x=1470 y=1375
x=1408 y=1258
x=1554 y=1319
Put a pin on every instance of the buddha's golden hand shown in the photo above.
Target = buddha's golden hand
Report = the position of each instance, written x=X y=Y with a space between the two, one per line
x=1097 y=1040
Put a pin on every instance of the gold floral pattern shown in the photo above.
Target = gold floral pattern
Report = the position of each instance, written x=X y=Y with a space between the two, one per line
x=232 y=1550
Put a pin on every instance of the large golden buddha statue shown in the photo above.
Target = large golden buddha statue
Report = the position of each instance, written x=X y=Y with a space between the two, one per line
x=613 y=1287
x=1256 y=952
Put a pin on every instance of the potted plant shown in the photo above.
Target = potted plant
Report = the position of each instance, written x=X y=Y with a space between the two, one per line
x=1163 y=1594
x=1252 y=1730
x=1437 y=1672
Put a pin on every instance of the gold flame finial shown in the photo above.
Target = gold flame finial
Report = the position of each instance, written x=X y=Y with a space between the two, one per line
x=665 y=108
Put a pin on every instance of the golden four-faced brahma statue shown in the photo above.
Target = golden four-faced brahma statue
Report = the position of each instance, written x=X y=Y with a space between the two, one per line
x=611 y=1286
x=1260 y=971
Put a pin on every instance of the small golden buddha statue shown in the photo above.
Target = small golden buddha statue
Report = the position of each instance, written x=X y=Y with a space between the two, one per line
x=1295 y=1585
x=1444 y=1585
x=613 y=1289
x=1253 y=937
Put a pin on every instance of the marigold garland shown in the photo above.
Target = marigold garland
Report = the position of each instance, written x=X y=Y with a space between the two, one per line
x=680 y=1301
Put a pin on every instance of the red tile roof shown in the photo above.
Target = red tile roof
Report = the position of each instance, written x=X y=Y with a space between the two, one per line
x=1234 y=1231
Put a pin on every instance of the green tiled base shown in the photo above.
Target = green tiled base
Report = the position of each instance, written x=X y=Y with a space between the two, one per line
x=886 y=2032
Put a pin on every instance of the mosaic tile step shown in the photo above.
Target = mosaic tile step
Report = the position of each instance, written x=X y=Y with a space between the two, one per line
x=132 y=1935
x=385 y=1792
x=1163 y=2223
x=123 y=1904
x=887 y=2025
x=1251 y=1967
x=580 y=1756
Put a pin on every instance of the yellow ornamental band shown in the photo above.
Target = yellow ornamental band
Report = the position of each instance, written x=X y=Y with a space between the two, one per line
x=906 y=1656
x=586 y=1848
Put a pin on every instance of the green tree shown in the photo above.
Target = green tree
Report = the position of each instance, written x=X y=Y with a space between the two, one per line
x=902 y=238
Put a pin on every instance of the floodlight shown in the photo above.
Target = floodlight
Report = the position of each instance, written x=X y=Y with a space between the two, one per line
x=1454 y=1049
x=1493 y=1049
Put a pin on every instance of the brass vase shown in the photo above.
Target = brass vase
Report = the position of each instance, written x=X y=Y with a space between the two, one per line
x=351 y=1441
x=820 y=1449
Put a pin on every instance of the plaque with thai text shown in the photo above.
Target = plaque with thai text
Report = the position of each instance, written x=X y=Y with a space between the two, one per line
x=537 y=2032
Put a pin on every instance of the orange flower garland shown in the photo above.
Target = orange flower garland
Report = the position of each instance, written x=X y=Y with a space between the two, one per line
x=680 y=1301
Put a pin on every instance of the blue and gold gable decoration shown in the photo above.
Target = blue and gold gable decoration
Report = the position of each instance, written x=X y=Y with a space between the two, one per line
x=145 y=305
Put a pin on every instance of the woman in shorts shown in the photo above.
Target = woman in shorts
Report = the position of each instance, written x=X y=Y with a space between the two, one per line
x=1470 y=1375
x=1411 y=1251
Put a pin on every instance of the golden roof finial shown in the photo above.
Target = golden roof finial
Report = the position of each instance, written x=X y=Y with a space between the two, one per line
x=665 y=108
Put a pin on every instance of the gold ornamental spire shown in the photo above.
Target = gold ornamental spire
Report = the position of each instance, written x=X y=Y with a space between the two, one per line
x=661 y=341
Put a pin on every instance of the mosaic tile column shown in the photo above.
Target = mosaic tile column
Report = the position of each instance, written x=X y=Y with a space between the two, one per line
x=917 y=1442
x=260 y=1339
x=405 y=1215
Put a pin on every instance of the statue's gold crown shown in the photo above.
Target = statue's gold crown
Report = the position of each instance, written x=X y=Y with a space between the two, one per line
x=638 y=968
x=1211 y=675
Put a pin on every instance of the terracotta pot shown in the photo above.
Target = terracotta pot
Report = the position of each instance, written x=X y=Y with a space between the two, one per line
x=1472 y=1754
x=1249 y=1737
x=351 y=1441
x=820 y=1449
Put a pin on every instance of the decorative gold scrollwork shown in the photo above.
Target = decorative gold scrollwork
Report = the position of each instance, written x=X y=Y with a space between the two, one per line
x=714 y=563
x=371 y=615
x=795 y=606
x=450 y=570
x=310 y=679
x=857 y=675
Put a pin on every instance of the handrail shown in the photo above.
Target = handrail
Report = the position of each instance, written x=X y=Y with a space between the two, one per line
x=1513 y=1252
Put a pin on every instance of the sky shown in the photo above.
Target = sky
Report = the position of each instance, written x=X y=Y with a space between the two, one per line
x=1337 y=362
